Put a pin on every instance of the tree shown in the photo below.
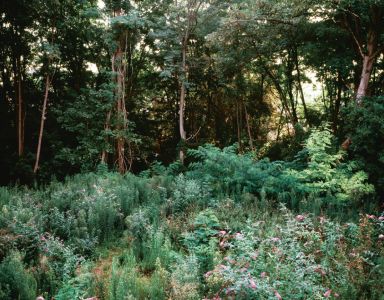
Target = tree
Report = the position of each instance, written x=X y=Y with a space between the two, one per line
x=364 y=21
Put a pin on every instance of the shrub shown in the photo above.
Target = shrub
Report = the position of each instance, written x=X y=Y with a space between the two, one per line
x=367 y=137
x=15 y=281
x=185 y=279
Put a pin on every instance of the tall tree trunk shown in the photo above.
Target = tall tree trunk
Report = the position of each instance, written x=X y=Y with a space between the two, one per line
x=107 y=127
x=47 y=84
x=238 y=125
x=296 y=61
x=362 y=90
x=19 y=104
x=120 y=109
x=20 y=111
x=192 y=7
x=290 y=80
x=119 y=71
x=248 y=127
x=183 y=134
x=336 y=109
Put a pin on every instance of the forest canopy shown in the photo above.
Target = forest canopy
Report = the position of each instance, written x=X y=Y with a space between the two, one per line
x=191 y=149
x=127 y=83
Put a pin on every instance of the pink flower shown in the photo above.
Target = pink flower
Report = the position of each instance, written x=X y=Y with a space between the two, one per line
x=263 y=274
x=327 y=293
x=371 y=217
x=381 y=218
x=336 y=295
x=320 y=271
x=243 y=270
x=277 y=295
x=254 y=255
x=300 y=218
x=228 y=291
x=252 y=284
x=381 y=237
x=209 y=273
x=275 y=239
x=239 y=236
x=222 y=232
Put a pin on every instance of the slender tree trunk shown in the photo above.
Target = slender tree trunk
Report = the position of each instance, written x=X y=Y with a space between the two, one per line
x=336 y=110
x=292 y=101
x=119 y=71
x=183 y=134
x=192 y=7
x=107 y=127
x=19 y=104
x=47 y=84
x=20 y=112
x=248 y=127
x=121 y=111
x=238 y=125
x=296 y=60
x=362 y=90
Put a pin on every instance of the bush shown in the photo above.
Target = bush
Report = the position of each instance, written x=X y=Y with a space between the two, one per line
x=367 y=137
x=299 y=260
x=15 y=281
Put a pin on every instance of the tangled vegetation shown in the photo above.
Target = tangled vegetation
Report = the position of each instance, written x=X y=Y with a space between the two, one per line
x=229 y=227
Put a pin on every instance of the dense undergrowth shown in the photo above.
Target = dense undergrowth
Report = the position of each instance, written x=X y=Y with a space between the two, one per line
x=228 y=227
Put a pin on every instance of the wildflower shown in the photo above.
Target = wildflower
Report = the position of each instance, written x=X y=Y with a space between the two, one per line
x=381 y=237
x=320 y=271
x=275 y=239
x=371 y=217
x=381 y=218
x=300 y=218
x=327 y=293
x=239 y=236
x=228 y=291
x=277 y=295
x=243 y=270
x=222 y=232
x=209 y=273
x=254 y=255
x=336 y=295
x=263 y=274
x=223 y=267
x=252 y=284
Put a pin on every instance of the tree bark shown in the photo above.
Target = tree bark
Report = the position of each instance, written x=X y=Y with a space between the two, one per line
x=183 y=134
x=121 y=110
x=47 y=84
x=119 y=71
x=296 y=60
x=362 y=90
x=248 y=128
x=20 y=111
x=19 y=104
x=336 y=109
x=107 y=126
